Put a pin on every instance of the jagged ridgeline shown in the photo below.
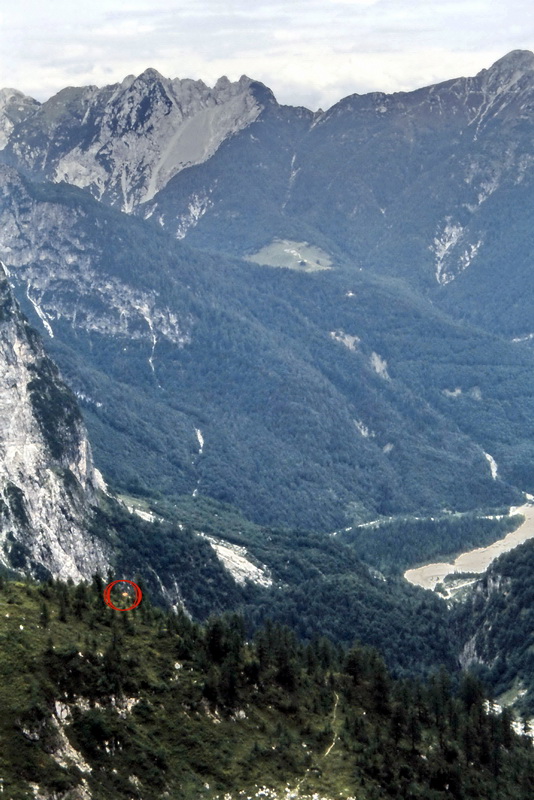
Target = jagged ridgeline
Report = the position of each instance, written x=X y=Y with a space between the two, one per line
x=99 y=704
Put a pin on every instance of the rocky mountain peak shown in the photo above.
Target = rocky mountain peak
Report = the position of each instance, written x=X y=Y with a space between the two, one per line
x=222 y=83
x=512 y=73
x=515 y=60
x=149 y=75
x=124 y=142
x=14 y=107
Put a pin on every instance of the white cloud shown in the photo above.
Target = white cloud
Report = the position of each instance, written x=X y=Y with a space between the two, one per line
x=308 y=52
x=356 y=2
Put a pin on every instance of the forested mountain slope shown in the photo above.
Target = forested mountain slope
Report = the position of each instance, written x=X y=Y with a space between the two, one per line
x=196 y=555
x=496 y=621
x=303 y=399
x=150 y=705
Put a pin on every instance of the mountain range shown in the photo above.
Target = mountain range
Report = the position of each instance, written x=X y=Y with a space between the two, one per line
x=410 y=184
x=273 y=327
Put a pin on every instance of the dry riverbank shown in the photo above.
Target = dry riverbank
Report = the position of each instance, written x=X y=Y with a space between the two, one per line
x=477 y=561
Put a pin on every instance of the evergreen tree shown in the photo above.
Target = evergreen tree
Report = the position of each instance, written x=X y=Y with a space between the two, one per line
x=63 y=608
x=81 y=600
x=44 y=616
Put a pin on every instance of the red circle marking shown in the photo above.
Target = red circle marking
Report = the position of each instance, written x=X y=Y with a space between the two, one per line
x=109 y=587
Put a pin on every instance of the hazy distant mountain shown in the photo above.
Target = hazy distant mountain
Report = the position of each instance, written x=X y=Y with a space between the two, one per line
x=430 y=185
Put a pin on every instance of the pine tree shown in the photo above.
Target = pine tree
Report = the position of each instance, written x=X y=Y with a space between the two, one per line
x=353 y=664
x=44 y=616
x=414 y=729
x=98 y=585
x=62 y=608
x=215 y=636
x=81 y=600
x=506 y=733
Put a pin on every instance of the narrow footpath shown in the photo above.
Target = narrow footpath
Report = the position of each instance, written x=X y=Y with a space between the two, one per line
x=329 y=748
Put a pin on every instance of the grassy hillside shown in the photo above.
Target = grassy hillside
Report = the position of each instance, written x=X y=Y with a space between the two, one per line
x=98 y=704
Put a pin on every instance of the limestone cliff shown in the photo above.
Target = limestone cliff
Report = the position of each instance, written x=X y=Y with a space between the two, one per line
x=47 y=478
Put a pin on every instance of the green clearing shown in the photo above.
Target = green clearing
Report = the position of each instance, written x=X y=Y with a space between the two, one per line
x=300 y=256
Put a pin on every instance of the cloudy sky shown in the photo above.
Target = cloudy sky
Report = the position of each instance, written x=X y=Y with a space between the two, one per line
x=309 y=52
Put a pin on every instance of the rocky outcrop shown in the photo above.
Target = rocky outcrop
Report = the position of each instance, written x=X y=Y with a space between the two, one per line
x=56 y=254
x=14 y=108
x=47 y=478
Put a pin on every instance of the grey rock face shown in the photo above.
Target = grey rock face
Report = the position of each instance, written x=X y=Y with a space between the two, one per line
x=14 y=108
x=46 y=246
x=47 y=479
x=124 y=142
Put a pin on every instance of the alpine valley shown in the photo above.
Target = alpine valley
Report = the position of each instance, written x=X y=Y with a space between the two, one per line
x=262 y=360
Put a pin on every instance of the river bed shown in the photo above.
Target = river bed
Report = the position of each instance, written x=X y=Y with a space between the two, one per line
x=478 y=560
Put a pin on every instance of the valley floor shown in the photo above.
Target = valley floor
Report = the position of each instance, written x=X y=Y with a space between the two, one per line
x=477 y=560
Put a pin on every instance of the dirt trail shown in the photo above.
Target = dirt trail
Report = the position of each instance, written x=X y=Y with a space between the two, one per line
x=329 y=748
x=334 y=714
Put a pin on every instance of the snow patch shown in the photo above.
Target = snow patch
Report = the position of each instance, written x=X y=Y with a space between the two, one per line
x=363 y=429
x=145 y=311
x=200 y=441
x=292 y=175
x=522 y=729
x=527 y=338
x=442 y=246
x=197 y=208
x=146 y=515
x=468 y=255
x=40 y=313
x=487 y=188
x=100 y=483
x=87 y=399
